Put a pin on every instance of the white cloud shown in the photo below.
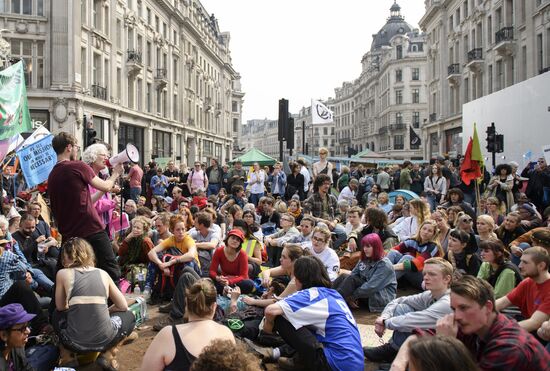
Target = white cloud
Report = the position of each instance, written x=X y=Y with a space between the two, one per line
x=300 y=49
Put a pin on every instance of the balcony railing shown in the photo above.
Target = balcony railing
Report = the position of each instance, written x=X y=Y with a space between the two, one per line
x=475 y=54
x=397 y=126
x=504 y=34
x=134 y=56
x=161 y=73
x=383 y=130
x=399 y=146
x=433 y=117
x=99 y=92
x=453 y=69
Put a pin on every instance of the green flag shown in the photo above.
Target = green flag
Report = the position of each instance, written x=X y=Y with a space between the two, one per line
x=14 y=109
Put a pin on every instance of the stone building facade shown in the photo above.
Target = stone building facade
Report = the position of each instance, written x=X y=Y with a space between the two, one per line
x=385 y=107
x=475 y=48
x=154 y=73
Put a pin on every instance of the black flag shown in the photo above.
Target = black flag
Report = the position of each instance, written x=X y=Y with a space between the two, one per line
x=414 y=138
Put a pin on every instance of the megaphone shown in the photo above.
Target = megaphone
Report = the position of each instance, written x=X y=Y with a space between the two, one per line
x=130 y=154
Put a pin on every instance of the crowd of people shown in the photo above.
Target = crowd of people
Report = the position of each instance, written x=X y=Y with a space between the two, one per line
x=277 y=262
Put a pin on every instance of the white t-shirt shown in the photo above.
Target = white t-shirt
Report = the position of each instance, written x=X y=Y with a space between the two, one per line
x=305 y=172
x=347 y=194
x=330 y=260
x=255 y=187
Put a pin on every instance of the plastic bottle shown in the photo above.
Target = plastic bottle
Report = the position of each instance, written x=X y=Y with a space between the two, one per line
x=41 y=255
x=141 y=280
x=137 y=290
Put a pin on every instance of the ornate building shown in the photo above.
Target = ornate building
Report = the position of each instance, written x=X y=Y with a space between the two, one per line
x=384 y=108
x=475 y=48
x=154 y=73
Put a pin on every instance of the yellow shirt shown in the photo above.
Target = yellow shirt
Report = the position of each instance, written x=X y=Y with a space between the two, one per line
x=183 y=246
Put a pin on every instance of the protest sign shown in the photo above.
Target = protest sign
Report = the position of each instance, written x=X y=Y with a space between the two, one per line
x=37 y=161
x=14 y=110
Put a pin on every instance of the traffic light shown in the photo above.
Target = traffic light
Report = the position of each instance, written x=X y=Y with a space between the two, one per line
x=499 y=143
x=89 y=133
x=290 y=134
x=283 y=119
x=491 y=137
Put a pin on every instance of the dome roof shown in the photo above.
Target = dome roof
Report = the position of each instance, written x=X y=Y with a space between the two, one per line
x=395 y=25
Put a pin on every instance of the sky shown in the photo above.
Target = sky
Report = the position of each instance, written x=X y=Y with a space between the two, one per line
x=300 y=49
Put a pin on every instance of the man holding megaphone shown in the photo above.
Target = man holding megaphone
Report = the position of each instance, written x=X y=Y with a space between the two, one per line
x=71 y=202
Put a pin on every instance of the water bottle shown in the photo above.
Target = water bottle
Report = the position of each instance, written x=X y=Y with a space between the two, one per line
x=137 y=290
x=140 y=279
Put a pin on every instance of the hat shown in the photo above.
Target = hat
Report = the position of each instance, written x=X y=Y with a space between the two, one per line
x=13 y=314
x=237 y=233
x=169 y=199
x=13 y=214
x=528 y=208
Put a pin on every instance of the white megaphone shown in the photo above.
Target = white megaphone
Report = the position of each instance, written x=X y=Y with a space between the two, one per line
x=130 y=154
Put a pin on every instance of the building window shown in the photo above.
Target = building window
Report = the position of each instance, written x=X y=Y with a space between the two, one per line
x=149 y=52
x=398 y=118
x=399 y=52
x=32 y=55
x=399 y=142
x=540 y=53
x=130 y=134
x=149 y=16
x=398 y=75
x=416 y=74
x=416 y=95
x=466 y=90
x=139 y=94
x=490 y=79
x=235 y=125
x=234 y=106
x=416 y=120
x=102 y=126
x=500 y=76
x=97 y=20
x=162 y=144
x=148 y=97
x=399 y=97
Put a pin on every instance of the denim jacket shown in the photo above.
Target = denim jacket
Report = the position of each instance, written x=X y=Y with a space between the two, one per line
x=380 y=284
x=277 y=183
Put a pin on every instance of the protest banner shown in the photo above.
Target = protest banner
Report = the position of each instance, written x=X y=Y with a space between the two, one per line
x=37 y=161
x=15 y=117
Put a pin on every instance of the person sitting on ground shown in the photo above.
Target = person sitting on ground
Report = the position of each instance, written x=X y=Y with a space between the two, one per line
x=269 y=217
x=295 y=209
x=495 y=341
x=206 y=240
x=407 y=313
x=375 y=221
x=162 y=228
x=532 y=295
x=455 y=197
x=494 y=210
x=485 y=226
x=249 y=216
x=225 y=355
x=408 y=227
x=306 y=232
x=82 y=319
x=429 y=353
x=497 y=269
x=323 y=206
x=14 y=334
x=285 y=271
x=275 y=241
x=326 y=339
x=185 y=252
x=460 y=256
x=384 y=202
x=465 y=223
x=230 y=264
x=535 y=237
x=442 y=221
x=409 y=256
x=529 y=217
x=136 y=246
x=522 y=199
x=544 y=333
x=349 y=192
x=252 y=246
x=372 y=280
x=177 y=347
x=354 y=224
x=321 y=250
x=510 y=229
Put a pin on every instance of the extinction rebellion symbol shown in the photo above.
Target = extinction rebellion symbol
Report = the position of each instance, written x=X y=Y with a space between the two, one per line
x=323 y=112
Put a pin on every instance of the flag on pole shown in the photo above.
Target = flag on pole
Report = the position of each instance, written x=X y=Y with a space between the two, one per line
x=14 y=109
x=9 y=144
x=320 y=114
x=473 y=160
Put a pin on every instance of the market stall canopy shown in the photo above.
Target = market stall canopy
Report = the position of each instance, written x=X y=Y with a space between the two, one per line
x=254 y=155
x=367 y=153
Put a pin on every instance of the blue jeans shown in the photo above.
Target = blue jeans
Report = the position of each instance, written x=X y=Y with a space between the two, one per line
x=340 y=232
x=414 y=278
x=516 y=259
x=41 y=279
x=134 y=193
x=153 y=270
x=433 y=201
x=255 y=198
x=213 y=189
x=398 y=337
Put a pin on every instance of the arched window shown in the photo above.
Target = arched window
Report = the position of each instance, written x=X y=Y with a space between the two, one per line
x=399 y=50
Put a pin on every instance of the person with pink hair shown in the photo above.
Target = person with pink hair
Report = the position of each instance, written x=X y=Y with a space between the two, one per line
x=372 y=280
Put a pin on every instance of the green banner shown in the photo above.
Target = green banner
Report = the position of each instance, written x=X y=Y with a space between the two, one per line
x=14 y=109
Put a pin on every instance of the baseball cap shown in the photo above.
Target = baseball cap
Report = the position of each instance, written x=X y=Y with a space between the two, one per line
x=237 y=233
x=13 y=314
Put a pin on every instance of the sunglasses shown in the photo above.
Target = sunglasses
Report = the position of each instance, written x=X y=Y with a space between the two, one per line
x=466 y=220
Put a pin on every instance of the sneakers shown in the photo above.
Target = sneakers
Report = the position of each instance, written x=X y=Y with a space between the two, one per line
x=166 y=321
x=293 y=363
x=265 y=354
x=165 y=308
x=381 y=354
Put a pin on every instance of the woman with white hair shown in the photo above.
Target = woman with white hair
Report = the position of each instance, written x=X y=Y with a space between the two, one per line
x=96 y=156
